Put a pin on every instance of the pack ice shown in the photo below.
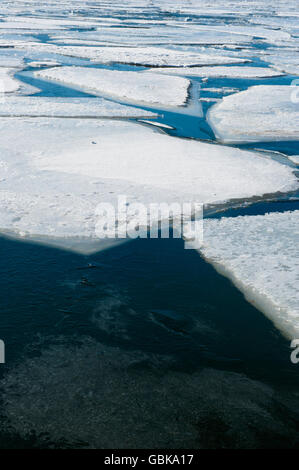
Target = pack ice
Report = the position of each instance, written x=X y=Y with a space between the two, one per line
x=260 y=255
x=8 y=83
x=129 y=86
x=222 y=72
x=146 y=56
x=59 y=170
x=34 y=106
x=261 y=113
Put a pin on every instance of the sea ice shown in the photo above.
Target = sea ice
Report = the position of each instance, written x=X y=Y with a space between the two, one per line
x=59 y=170
x=294 y=159
x=8 y=83
x=260 y=255
x=11 y=62
x=133 y=87
x=14 y=106
x=229 y=72
x=261 y=113
x=147 y=56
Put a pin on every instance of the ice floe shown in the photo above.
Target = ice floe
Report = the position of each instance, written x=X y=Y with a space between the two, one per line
x=10 y=61
x=147 y=56
x=261 y=113
x=284 y=60
x=43 y=63
x=8 y=84
x=229 y=72
x=59 y=170
x=294 y=159
x=133 y=87
x=16 y=106
x=260 y=254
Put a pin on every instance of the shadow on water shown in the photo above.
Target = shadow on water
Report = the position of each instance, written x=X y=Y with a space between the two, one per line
x=150 y=298
x=171 y=289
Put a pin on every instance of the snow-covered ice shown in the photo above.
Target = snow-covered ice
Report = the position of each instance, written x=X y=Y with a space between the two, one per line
x=284 y=60
x=10 y=61
x=133 y=87
x=14 y=106
x=8 y=83
x=260 y=254
x=230 y=72
x=58 y=170
x=261 y=113
x=147 y=56
x=294 y=159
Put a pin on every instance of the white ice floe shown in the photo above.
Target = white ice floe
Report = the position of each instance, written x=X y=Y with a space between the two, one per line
x=260 y=255
x=17 y=106
x=284 y=60
x=58 y=170
x=175 y=33
x=147 y=56
x=209 y=100
x=229 y=72
x=10 y=61
x=261 y=113
x=43 y=63
x=8 y=83
x=133 y=87
x=294 y=159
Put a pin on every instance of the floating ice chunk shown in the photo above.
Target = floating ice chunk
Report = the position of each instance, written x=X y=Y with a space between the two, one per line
x=59 y=170
x=260 y=254
x=210 y=100
x=133 y=87
x=10 y=61
x=147 y=56
x=174 y=33
x=230 y=72
x=261 y=113
x=272 y=35
x=8 y=83
x=31 y=23
x=15 y=106
x=285 y=61
x=294 y=159
x=43 y=63
x=156 y=124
